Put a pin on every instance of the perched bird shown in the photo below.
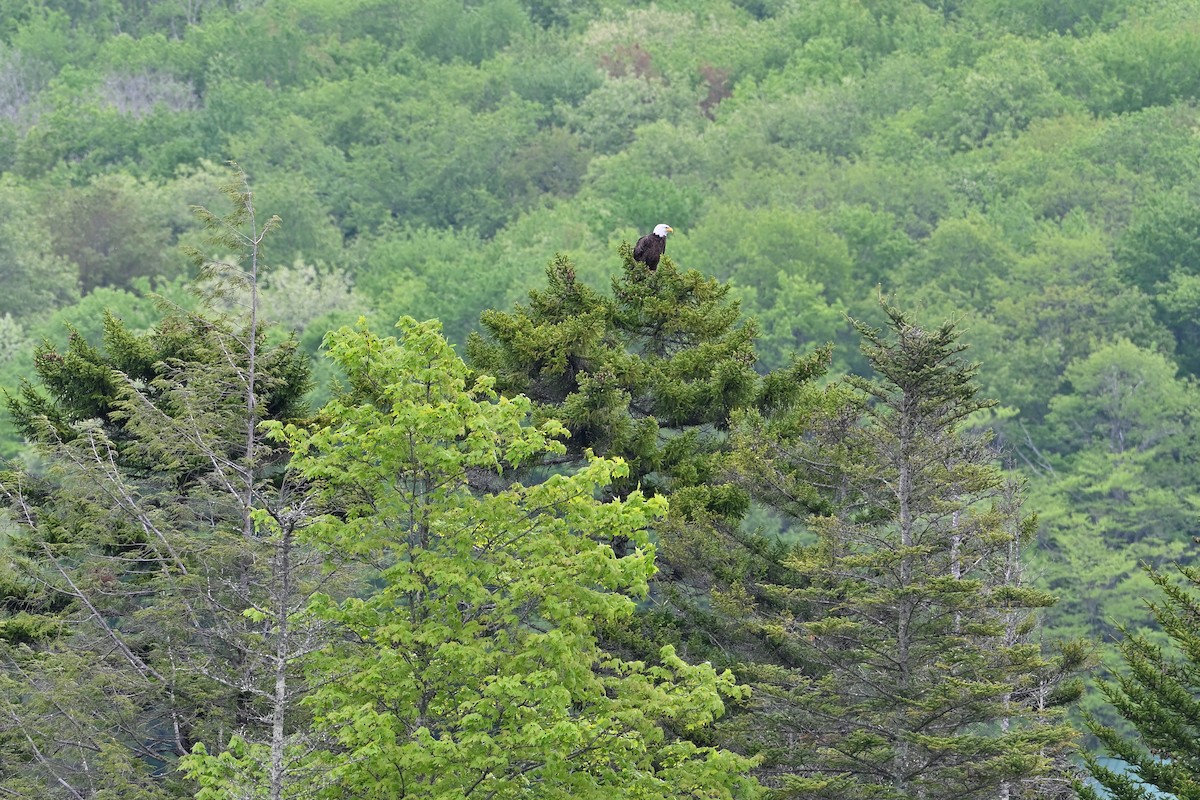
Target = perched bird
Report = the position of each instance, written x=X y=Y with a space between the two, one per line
x=649 y=248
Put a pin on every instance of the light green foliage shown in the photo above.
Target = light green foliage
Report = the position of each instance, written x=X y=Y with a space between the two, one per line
x=800 y=321
x=91 y=120
x=825 y=119
x=1124 y=398
x=995 y=98
x=444 y=33
x=137 y=309
x=1118 y=486
x=472 y=665
x=1161 y=241
x=877 y=243
x=752 y=247
x=307 y=232
x=301 y=294
x=1069 y=171
x=1158 y=254
x=669 y=43
x=1075 y=17
x=1139 y=63
x=968 y=261
x=47 y=34
x=641 y=185
x=447 y=156
x=1155 y=142
x=791 y=271
x=296 y=296
x=608 y=118
x=1093 y=537
x=1065 y=295
x=427 y=273
x=268 y=43
x=13 y=340
x=550 y=73
x=36 y=278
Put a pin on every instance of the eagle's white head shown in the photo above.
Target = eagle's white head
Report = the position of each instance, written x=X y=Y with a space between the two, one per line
x=662 y=229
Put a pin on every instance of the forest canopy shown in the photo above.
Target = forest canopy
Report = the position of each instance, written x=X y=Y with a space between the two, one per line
x=1028 y=171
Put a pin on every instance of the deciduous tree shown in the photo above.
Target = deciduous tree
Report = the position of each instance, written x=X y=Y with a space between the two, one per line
x=471 y=666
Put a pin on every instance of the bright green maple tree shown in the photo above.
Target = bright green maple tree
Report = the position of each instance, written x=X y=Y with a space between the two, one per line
x=469 y=664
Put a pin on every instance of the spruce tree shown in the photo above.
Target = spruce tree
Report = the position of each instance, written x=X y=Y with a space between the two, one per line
x=908 y=666
x=85 y=381
x=653 y=373
x=1158 y=694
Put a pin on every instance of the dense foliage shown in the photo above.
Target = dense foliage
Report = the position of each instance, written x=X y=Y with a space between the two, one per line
x=474 y=665
x=1028 y=169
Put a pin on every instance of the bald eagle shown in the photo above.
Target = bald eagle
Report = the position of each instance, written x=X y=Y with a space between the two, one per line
x=649 y=248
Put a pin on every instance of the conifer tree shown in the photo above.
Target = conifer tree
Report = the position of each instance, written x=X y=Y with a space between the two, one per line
x=653 y=374
x=1158 y=693
x=157 y=531
x=667 y=354
x=86 y=381
x=908 y=667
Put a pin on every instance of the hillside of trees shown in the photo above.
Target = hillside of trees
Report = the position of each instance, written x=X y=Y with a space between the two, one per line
x=1020 y=178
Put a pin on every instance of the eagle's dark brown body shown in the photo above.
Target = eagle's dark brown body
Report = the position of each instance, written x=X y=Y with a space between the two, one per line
x=649 y=248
